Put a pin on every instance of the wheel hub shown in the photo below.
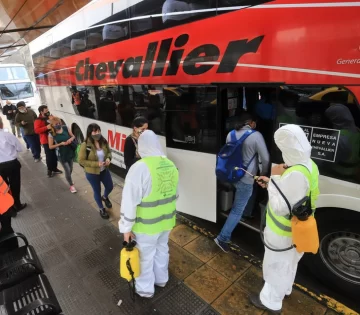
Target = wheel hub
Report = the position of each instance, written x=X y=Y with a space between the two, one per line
x=340 y=251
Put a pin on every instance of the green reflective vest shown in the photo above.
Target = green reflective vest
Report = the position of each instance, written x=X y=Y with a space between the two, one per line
x=281 y=225
x=156 y=212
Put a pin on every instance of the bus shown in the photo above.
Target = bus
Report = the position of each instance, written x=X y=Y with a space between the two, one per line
x=16 y=86
x=192 y=67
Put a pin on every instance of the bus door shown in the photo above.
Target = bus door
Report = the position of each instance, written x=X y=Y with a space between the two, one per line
x=234 y=100
x=191 y=142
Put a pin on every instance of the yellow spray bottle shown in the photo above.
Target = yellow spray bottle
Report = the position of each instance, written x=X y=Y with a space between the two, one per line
x=129 y=261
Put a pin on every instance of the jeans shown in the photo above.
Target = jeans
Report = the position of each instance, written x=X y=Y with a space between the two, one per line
x=34 y=143
x=95 y=180
x=51 y=158
x=251 y=203
x=22 y=134
x=242 y=196
x=68 y=168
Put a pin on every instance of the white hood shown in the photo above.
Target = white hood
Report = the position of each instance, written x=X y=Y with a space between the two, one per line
x=149 y=144
x=294 y=145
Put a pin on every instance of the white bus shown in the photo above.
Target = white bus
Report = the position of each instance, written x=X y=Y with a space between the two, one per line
x=16 y=86
x=192 y=67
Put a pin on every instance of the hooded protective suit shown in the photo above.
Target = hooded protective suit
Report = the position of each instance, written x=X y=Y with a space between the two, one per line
x=279 y=268
x=153 y=248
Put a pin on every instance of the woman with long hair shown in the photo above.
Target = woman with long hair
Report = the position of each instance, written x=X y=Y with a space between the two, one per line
x=139 y=125
x=95 y=157
x=60 y=138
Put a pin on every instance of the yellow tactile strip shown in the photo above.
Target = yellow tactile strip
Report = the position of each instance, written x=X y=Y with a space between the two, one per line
x=250 y=280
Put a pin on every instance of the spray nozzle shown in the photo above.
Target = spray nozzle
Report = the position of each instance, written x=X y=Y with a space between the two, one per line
x=129 y=246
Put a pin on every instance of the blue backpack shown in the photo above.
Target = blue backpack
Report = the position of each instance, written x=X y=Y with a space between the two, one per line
x=230 y=161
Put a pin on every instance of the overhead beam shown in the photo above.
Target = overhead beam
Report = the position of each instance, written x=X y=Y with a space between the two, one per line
x=33 y=28
x=5 y=47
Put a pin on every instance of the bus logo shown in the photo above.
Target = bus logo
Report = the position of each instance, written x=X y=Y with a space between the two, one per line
x=198 y=61
x=117 y=140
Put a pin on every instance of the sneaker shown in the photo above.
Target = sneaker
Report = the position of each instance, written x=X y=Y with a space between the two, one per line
x=224 y=246
x=50 y=174
x=107 y=202
x=37 y=160
x=104 y=214
x=73 y=189
x=57 y=171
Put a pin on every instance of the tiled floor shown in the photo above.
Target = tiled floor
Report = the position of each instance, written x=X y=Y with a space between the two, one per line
x=80 y=255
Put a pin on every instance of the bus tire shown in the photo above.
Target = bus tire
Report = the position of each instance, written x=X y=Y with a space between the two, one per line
x=337 y=263
x=77 y=133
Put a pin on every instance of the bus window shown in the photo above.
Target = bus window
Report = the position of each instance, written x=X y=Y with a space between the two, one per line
x=147 y=16
x=16 y=91
x=13 y=73
x=19 y=73
x=142 y=100
x=97 y=36
x=159 y=14
x=191 y=118
x=331 y=119
x=83 y=99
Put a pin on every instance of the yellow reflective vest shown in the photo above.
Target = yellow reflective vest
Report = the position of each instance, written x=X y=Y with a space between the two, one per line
x=156 y=212
x=281 y=225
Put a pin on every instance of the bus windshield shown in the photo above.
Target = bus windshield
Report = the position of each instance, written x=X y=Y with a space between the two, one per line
x=13 y=73
x=16 y=91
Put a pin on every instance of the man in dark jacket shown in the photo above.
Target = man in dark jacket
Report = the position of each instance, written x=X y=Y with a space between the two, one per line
x=9 y=111
x=26 y=118
x=42 y=127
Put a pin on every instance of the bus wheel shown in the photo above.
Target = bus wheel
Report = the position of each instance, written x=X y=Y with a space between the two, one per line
x=338 y=261
x=77 y=133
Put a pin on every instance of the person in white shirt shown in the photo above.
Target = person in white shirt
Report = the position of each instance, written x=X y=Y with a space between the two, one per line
x=10 y=146
x=148 y=211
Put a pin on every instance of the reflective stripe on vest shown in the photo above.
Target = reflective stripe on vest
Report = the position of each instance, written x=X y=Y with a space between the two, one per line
x=156 y=212
x=6 y=190
x=281 y=225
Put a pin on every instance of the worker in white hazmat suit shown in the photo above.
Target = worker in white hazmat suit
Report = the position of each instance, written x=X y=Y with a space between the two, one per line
x=297 y=178
x=148 y=211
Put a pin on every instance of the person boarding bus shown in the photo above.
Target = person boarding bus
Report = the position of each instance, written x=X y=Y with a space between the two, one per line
x=253 y=148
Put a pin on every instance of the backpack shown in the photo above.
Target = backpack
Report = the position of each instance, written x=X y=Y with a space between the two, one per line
x=230 y=161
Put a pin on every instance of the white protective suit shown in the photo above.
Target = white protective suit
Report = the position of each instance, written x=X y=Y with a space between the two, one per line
x=154 y=249
x=279 y=268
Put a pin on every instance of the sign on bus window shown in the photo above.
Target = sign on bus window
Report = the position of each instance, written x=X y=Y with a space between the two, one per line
x=324 y=142
x=331 y=122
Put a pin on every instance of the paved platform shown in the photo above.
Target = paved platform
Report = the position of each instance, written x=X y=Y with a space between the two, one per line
x=80 y=255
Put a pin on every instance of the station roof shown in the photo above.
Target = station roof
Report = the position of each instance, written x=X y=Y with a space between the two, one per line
x=21 y=21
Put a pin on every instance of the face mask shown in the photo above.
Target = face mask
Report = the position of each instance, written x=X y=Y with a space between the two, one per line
x=47 y=114
x=57 y=127
x=96 y=137
x=22 y=111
